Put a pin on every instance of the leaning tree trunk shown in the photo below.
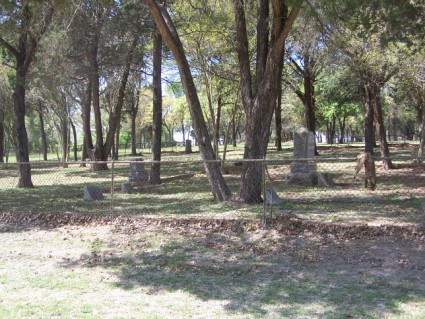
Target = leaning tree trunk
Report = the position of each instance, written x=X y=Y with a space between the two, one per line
x=217 y=126
x=155 y=174
x=1 y=136
x=169 y=33
x=383 y=145
x=369 y=134
x=278 y=120
x=74 y=135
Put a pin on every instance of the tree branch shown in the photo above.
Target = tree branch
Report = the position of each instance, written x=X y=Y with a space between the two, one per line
x=9 y=47
x=243 y=52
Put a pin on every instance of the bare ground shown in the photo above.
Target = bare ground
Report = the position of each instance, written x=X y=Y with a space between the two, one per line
x=292 y=268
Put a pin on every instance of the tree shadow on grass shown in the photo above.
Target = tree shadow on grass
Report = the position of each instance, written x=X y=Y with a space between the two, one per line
x=255 y=279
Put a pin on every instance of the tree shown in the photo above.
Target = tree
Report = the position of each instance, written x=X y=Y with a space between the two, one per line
x=32 y=22
x=169 y=33
x=155 y=174
x=306 y=58
x=259 y=102
x=409 y=89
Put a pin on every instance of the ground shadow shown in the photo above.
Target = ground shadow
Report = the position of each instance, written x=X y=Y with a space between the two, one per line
x=291 y=277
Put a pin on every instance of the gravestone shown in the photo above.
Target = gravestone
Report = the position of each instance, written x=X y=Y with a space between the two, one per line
x=126 y=187
x=188 y=147
x=137 y=171
x=303 y=168
x=304 y=142
x=272 y=198
x=92 y=193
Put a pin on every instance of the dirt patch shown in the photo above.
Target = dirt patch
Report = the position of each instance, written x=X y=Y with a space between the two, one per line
x=230 y=268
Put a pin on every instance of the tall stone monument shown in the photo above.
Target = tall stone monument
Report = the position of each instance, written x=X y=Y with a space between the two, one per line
x=304 y=168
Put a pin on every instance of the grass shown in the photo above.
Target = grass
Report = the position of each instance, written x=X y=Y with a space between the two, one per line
x=106 y=272
x=397 y=198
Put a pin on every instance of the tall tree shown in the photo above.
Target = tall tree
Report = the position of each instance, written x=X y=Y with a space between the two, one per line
x=155 y=174
x=31 y=23
x=259 y=91
x=169 y=33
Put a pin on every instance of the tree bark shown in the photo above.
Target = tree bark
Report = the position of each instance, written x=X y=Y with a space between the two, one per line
x=167 y=29
x=21 y=132
x=259 y=107
x=95 y=99
x=383 y=145
x=278 y=120
x=217 y=126
x=42 y=131
x=421 y=124
x=155 y=174
x=134 y=111
x=2 y=139
x=74 y=135
x=342 y=129
x=115 y=116
x=369 y=134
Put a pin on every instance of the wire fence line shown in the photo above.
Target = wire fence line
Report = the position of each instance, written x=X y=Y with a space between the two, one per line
x=326 y=188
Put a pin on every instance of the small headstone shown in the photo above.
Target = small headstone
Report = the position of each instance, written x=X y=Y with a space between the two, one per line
x=272 y=198
x=188 y=147
x=304 y=143
x=325 y=179
x=92 y=193
x=137 y=171
x=126 y=188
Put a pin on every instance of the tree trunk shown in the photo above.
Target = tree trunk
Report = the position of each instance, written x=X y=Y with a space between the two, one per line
x=116 y=144
x=134 y=111
x=74 y=135
x=342 y=129
x=2 y=139
x=183 y=134
x=278 y=117
x=24 y=55
x=98 y=151
x=421 y=124
x=309 y=103
x=369 y=134
x=21 y=131
x=155 y=174
x=217 y=126
x=85 y=115
x=167 y=29
x=115 y=116
x=383 y=145
x=64 y=129
x=259 y=105
x=42 y=131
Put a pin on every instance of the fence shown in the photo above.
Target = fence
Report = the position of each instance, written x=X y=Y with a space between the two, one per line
x=331 y=192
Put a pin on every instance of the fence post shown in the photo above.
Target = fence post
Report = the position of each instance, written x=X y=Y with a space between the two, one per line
x=112 y=185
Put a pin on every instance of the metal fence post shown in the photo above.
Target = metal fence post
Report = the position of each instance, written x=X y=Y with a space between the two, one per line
x=112 y=185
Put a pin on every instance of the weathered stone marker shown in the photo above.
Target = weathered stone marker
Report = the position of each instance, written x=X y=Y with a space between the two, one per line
x=304 y=169
x=188 y=147
x=272 y=198
x=92 y=193
x=137 y=171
